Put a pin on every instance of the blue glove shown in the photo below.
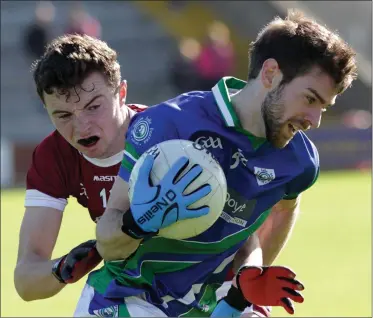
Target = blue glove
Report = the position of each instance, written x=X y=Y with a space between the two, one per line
x=223 y=309
x=156 y=207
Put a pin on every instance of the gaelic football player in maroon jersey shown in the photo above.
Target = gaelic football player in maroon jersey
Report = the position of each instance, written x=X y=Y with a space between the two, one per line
x=79 y=82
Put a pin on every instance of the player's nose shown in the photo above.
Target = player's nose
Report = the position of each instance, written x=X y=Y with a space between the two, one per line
x=81 y=117
x=81 y=123
x=314 y=117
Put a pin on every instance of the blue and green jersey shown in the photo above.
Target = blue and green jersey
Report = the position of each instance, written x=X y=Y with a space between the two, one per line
x=180 y=276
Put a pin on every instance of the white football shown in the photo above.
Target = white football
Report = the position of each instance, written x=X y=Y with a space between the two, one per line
x=167 y=153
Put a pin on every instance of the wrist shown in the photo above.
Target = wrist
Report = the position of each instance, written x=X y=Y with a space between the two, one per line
x=236 y=299
x=132 y=229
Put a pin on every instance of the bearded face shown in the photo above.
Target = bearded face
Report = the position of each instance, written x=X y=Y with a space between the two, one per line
x=282 y=118
x=273 y=110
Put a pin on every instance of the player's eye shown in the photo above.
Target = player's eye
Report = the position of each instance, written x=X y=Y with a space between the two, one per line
x=93 y=107
x=64 y=116
x=310 y=100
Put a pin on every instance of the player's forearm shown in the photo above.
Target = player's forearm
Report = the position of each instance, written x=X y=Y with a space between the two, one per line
x=34 y=280
x=276 y=231
x=112 y=243
x=249 y=254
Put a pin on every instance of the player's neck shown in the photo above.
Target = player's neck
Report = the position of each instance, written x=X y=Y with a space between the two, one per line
x=128 y=113
x=118 y=144
x=247 y=104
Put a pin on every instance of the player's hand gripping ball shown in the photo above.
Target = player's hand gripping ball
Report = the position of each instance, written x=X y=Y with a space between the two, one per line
x=184 y=156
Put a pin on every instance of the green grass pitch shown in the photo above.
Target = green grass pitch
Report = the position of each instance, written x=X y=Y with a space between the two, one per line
x=330 y=250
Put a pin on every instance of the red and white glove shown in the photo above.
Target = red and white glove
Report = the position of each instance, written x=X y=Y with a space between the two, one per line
x=262 y=311
x=270 y=286
x=80 y=261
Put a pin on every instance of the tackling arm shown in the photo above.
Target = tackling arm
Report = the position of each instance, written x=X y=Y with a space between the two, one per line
x=276 y=230
x=33 y=277
x=112 y=243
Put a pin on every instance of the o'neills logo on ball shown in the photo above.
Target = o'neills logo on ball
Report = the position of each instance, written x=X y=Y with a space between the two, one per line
x=164 y=203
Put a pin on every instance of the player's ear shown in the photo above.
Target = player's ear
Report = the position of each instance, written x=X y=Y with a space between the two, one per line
x=123 y=92
x=270 y=74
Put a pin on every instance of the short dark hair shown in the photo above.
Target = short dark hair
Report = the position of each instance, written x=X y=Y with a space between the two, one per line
x=298 y=44
x=69 y=59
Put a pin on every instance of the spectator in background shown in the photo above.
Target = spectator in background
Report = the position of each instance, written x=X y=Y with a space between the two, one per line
x=217 y=56
x=38 y=33
x=36 y=37
x=184 y=75
x=176 y=5
x=81 y=22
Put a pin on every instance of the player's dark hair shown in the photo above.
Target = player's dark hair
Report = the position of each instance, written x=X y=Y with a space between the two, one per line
x=69 y=59
x=298 y=44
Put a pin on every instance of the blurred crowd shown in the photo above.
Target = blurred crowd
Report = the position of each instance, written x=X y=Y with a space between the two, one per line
x=42 y=30
x=198 y=66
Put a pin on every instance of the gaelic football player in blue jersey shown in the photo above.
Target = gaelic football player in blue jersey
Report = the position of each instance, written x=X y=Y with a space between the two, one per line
x=255 y=129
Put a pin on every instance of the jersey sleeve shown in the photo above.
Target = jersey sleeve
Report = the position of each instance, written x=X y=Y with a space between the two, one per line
x=147 y=129
x=311 y=170
x=47 y=177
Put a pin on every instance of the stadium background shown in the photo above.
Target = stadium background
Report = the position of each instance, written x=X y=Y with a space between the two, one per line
x=331 y=245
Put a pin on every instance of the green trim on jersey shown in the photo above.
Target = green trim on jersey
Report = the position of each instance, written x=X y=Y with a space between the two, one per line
x=208 y=301
x=129 y=151
x=223 y=100
x=293 y=196
x=123 y=311
x=101 y=278
x=314 y=180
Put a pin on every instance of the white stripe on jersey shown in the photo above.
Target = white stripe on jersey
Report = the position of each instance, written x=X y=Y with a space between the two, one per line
x=223 y=106
x=130 y=156
x=36 y=198
x=196 y=288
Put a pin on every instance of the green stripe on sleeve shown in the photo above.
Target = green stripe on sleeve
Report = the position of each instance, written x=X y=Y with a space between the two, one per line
x=126 y=164
x=131 y=151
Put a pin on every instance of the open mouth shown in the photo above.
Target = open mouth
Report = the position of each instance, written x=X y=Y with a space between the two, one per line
x=88 y=142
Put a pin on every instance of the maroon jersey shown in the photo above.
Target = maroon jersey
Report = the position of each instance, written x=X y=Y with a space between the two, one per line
x=59 y=171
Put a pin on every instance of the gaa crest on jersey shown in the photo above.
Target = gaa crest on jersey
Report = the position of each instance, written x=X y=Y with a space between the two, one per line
x=142 y=131
x=209 y=142
x=263 y=175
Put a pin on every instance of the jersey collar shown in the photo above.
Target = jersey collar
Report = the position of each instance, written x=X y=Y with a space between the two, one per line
x=107 y=162
x=223 y=100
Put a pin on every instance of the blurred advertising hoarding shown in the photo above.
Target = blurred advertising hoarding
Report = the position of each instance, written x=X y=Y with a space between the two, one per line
x=343 y=148
x=7 y=163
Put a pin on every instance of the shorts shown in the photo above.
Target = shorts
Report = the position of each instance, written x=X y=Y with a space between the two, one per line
x=133 y=306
